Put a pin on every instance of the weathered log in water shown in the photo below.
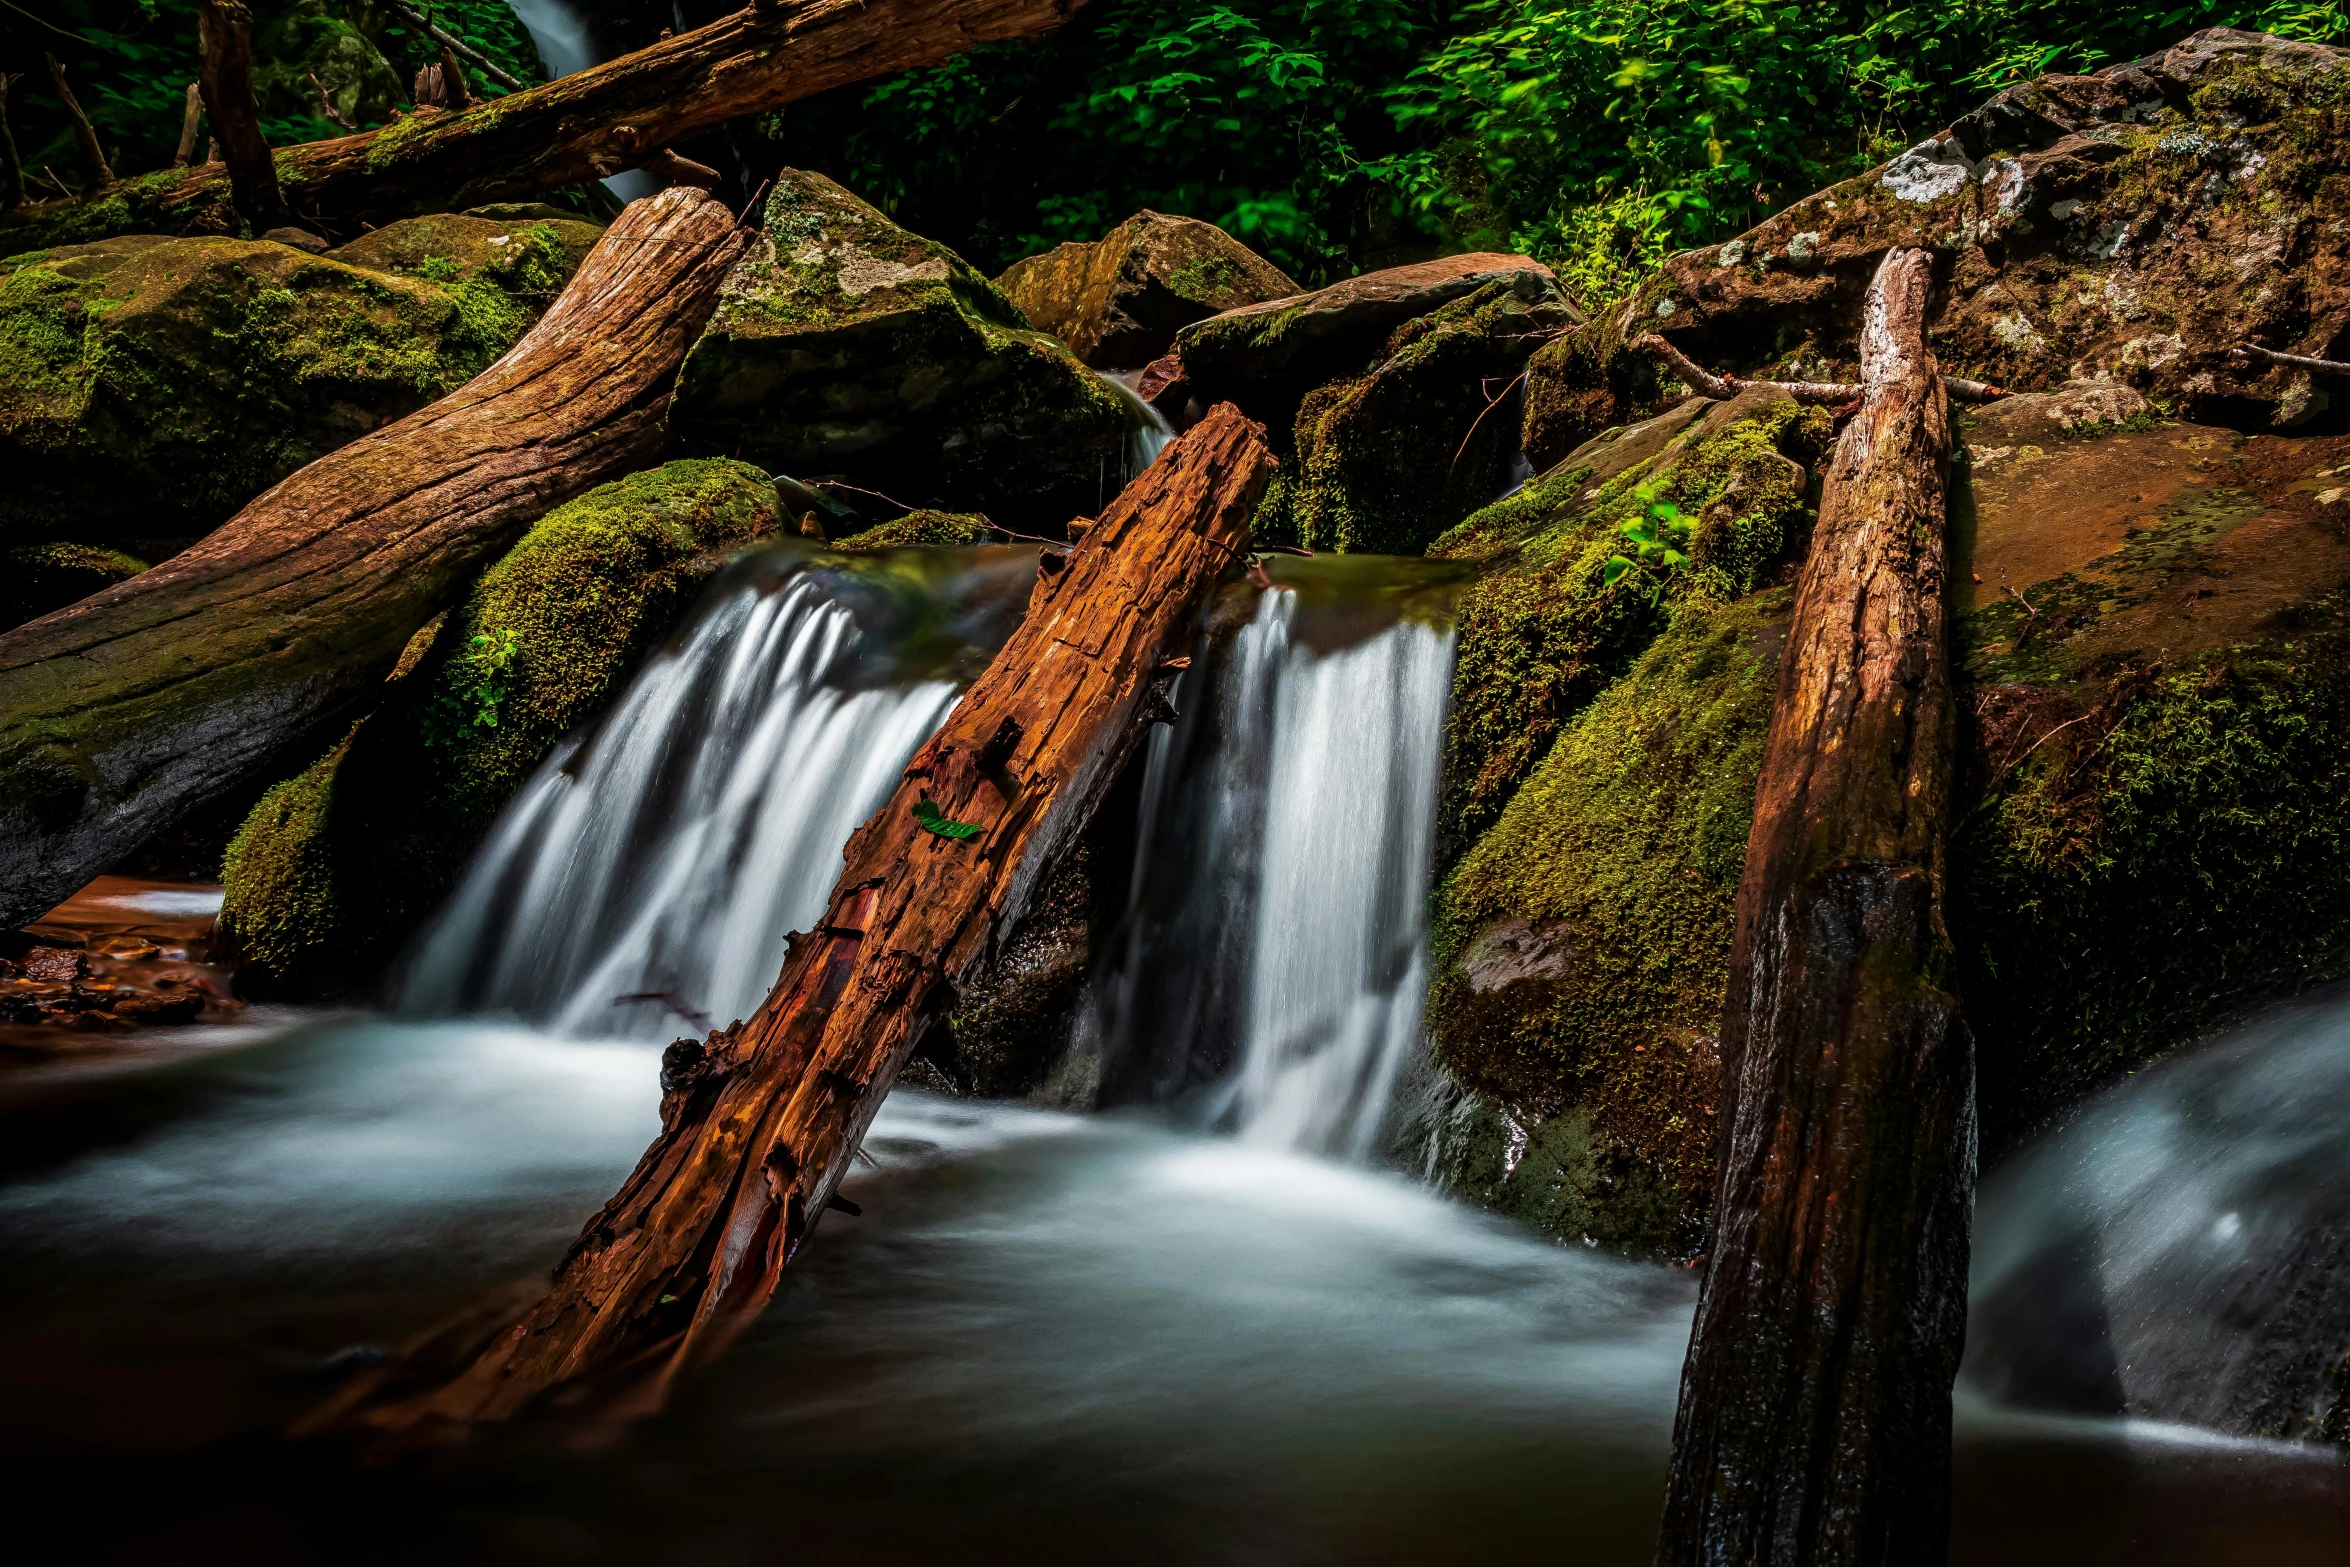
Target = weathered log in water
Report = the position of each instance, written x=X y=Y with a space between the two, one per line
x=1814 y=1422
x=760 y=1121
x=124 y=711
x=597 y=122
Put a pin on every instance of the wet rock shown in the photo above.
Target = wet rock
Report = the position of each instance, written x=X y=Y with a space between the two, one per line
x=2132 y=226
x=1386 y=461
x=1119 y=301
x=119 y=955
x=920 y=528
x=149 y=387
x=1017 y=1022
x=335 y=867
x=844 y=345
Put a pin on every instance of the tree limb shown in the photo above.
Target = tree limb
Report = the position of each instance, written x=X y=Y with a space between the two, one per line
x=85 y=135
x=1834 y=394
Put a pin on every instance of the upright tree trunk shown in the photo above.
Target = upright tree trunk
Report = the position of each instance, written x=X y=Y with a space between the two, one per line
x=1814 y=1423
x=122 y=712
x=759 y=1123
x=224 y=39
x=611 y=117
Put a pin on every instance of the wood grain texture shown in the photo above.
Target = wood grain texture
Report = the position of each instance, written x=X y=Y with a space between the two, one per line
x=1814 y=1421
x=129 y=708
x=606 y=119
x=759 y=1122
x=224 y=42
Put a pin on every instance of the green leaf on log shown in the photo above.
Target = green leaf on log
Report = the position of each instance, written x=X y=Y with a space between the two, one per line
x=932 y=820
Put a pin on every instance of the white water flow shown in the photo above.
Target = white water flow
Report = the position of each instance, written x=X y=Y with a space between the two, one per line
x=670 y=851
x=566 y=46
x=1147 y=430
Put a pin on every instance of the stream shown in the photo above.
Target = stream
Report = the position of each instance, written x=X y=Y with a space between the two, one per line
x=1205 y=1326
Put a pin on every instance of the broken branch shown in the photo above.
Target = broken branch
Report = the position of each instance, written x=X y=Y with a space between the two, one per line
x=1832 y=394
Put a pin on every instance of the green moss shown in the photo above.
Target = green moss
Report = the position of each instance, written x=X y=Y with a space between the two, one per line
x=38 y=578
x=2180 y=850
x=1554 y=620
x=1208 y=279
x=919 y=527
x=1605 y=888
x=389 y=819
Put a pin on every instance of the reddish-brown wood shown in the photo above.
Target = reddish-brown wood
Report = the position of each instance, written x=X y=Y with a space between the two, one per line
x=1814 y=1422
x=224 y=38
x=122 y=712
x=759 y=1122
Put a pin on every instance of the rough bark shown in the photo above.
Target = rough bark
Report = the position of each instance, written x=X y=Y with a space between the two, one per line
x=612 y=117
x=224 y=39
x=759 y=1122
x=11 y=165
x=85 y=135
x=1814 y=1422
x=191 y=120
x=127 y=709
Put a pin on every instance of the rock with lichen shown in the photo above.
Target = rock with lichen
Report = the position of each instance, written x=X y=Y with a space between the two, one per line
x=149 y=387
x=336 y=866
x=1386 y=461
x=2132 y=226
x=844 y=345
x=2153 y=650
x=1119 y=301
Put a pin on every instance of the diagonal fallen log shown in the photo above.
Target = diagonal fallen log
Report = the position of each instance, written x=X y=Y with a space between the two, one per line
x=130 y=708
x=589 y=125
x=1814 y=1422
x=759 y=1122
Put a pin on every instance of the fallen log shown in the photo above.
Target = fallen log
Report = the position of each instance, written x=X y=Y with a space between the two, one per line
x=1814 y=1419
x=759 y=1121
x=124 y=711
x=589 y=125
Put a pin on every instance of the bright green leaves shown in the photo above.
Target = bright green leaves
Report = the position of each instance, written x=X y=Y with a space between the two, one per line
x=930 y=819
x=1660 y=537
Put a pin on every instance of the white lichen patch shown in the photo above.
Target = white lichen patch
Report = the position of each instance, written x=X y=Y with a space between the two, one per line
x=1733 y=253
x=2003 y=180
x=1928 y=172
x=1802 y=248
x=2152 y=351
x=861 y=274
x=2015 y=330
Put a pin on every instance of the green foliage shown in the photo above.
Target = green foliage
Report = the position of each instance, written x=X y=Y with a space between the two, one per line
x=932 y=820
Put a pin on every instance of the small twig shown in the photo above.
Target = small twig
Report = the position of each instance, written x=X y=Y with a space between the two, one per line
x=489 y=68
x=85 y=135
x=1825 y=393
x=2293 y=361
x=2031 y=615
x=1491 y=403
x=326 y=106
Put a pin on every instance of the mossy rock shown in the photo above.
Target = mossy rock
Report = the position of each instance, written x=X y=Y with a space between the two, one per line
x=919 y=527
x=842 y=344
x=508 y=251
x=2153 y=824
x=149 y=387
x=336 y=867
x=38 y=578
x=1387 y=461
x=1119 y=301
x=317 y=38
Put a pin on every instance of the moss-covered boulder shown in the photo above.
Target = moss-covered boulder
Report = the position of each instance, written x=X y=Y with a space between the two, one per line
x=336 y=867
x=1386 y=461
x=1119 y=301
x=149 y=387
x=2135 y=225
x=2153 y=826
x=335 y=42
x=919 y=527
x=38 y=578
x=845 y=345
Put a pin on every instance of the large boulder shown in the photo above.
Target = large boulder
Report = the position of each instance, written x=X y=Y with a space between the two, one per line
x=845 y=345
x=329 y=47
x=149 y=387
x=335 y=867
x=1119 y=301
x=1388 y=460
x=2135 y=225
x=2155 y=671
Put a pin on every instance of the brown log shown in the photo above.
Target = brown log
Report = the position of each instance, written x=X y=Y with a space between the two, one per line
x=85 y=135
x=1814 y=1421
x=224 y=40
x=191 y=120
x=125 y=710
x=760 y=1121
x=609 y=118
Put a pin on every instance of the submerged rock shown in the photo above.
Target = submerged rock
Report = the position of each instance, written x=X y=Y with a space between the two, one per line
x=1119 y=301
x=2131 y=226
x=844 y=345
x=149 y=387
x=335 y=867
x=1387 y=461
x=2154 y=673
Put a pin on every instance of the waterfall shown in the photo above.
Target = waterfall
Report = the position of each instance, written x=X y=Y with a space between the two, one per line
x=1277 y=939
x=565 y=46
x=669 y=849
x=2182 y=1249
x=1147 y=431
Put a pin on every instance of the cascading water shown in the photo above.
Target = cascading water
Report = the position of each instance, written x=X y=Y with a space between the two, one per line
x=565 y=45
x=1276 y=939
x=668 y=851
x=1148 y=430
x=2182 y=1250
